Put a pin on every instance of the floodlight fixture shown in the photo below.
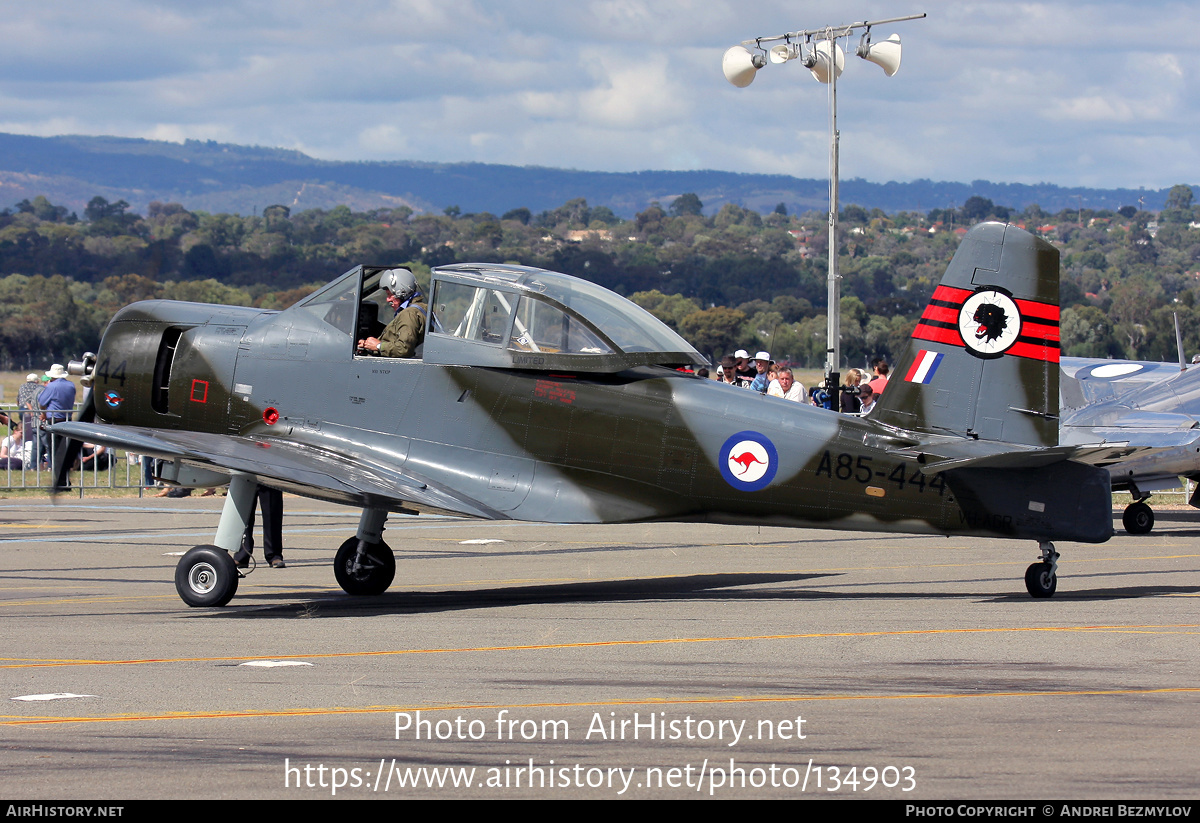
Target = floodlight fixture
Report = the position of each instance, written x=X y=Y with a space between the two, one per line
x=886 y=55
x=740 y=65
x=822 y=65
x=825 y=60
x=784 y=53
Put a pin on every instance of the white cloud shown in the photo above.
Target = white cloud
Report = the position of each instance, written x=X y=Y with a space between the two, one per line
x=634 y=94
x=1097 y=108
x=1053 y=90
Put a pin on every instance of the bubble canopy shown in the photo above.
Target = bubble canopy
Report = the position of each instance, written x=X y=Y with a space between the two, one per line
x=521 y=317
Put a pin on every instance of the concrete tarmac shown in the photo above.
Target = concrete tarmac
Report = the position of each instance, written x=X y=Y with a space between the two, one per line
x=651 y=661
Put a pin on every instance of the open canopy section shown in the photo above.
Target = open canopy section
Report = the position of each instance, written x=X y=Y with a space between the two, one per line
x=527 y=318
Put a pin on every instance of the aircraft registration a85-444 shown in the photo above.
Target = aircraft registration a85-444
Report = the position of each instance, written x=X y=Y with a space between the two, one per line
x=538 y=396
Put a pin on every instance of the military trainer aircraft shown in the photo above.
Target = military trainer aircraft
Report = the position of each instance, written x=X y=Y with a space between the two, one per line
x=538 y=396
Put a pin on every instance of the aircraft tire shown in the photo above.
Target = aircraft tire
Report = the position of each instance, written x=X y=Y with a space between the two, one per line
x=1040 y=581
x=1138 y=518
x=206 y=576
x=372 y=579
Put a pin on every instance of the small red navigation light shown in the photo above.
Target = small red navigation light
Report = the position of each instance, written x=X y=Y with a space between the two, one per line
x=270 y=415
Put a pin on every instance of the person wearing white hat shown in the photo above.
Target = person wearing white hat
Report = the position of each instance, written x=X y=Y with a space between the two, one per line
x=56 y=401
x=761 y=381
x=745 y=369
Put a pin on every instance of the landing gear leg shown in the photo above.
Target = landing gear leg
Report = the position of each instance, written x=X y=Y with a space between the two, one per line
x=207 y=575
x=364 y=564
x=1041 y=579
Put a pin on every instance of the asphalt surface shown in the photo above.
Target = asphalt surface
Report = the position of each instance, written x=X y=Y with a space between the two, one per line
x=651 y=661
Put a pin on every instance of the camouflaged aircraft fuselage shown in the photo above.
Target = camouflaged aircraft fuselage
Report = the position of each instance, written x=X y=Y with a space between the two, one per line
x=537 y=396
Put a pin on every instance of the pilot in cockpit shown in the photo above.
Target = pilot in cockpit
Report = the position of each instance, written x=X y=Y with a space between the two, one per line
x=407 y=329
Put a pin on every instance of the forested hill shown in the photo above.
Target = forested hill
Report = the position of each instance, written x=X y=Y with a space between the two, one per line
x=734 y=279
x=222 y=177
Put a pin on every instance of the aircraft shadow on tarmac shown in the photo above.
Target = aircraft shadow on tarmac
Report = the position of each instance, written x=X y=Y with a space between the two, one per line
x=1191 y=533
x=701 y=587
x=691 y=587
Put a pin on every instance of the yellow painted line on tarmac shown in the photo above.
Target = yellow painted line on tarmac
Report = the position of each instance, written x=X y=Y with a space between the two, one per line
x=10 y=720
x=44 y=588
x=35 y=663
x=84 y=599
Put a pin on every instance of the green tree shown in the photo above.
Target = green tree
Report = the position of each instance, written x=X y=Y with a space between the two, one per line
x=686 y=204
x=669 y=308
x=44 y=210
x=110 y=219
x=1087 y=332
x=277 y=218
x=1180 y=197
x=714 y=332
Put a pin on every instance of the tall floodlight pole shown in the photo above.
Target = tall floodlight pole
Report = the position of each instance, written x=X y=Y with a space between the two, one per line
x=825 y=59
x=833 y=281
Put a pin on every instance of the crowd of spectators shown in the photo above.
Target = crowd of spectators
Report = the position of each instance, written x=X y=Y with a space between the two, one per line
x=857 y=395
x=41 y=402
x=28 y=445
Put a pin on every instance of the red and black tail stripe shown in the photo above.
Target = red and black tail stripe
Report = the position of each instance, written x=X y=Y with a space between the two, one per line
x=1038 y=340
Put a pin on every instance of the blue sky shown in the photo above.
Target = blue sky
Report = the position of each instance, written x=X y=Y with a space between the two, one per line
x=1073 y=93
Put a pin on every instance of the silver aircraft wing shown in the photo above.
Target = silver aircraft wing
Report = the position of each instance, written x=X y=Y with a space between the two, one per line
x=312 y=471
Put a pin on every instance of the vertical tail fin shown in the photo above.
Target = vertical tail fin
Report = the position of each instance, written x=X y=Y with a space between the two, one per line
x=983 y=360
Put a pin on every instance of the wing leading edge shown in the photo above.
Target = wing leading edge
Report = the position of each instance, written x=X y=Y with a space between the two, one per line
x=322 y=473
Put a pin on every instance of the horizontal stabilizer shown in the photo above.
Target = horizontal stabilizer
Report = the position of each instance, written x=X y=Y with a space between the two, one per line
x=942 y=455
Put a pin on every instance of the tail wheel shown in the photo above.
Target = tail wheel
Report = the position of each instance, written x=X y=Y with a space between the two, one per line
x=1138 y=518
x=206 y=576
x=369 y=574
x=1040 y=580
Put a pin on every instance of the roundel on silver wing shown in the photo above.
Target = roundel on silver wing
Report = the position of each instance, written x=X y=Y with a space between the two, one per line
x=989 y=322
x=1116 y=370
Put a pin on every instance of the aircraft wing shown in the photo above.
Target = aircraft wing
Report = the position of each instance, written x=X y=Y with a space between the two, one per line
x=1088 y=382
x=1127 y=372
x=319 y=472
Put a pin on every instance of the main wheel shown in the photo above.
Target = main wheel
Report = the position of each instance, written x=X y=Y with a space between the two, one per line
x=1138 y=518
x=372 y=576
x=206 y=576
x=1040 y=580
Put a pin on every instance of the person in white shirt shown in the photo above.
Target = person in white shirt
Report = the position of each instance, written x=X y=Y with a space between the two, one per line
x=785 y=386
x=867 y=396
x=13 y=449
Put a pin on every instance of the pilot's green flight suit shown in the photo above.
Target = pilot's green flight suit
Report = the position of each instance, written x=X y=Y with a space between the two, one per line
x=405 y=332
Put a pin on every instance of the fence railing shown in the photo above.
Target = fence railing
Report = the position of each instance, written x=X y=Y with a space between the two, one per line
x=30 y=460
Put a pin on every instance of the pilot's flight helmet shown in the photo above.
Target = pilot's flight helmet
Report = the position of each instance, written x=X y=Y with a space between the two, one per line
x=399 y=282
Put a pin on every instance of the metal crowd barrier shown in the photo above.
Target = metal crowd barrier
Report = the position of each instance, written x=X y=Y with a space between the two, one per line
x=122 y=470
